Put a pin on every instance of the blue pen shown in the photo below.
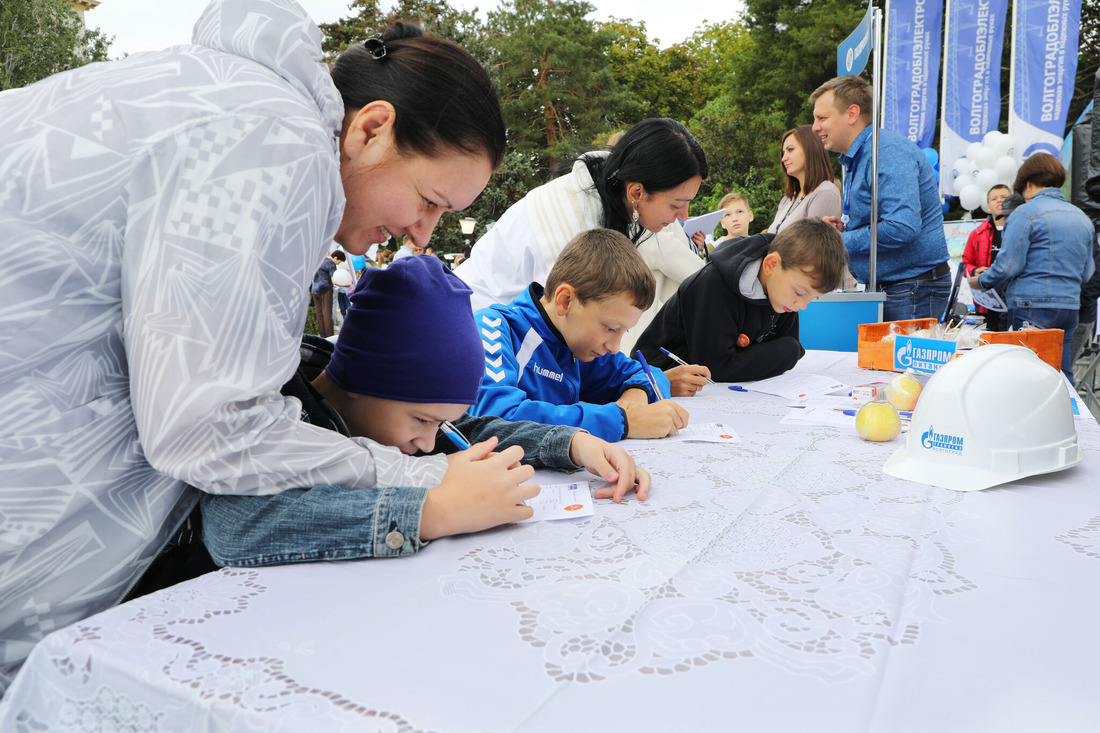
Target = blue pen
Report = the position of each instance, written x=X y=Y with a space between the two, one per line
x=649 y=375
x=906 y=415
x=456 y=437
x=680 y=361
x=738 y=388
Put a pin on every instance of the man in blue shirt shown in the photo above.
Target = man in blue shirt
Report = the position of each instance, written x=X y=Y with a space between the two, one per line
x=912 y=252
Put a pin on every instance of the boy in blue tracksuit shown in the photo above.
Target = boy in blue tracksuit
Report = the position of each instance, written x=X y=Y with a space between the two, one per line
x=552 y=355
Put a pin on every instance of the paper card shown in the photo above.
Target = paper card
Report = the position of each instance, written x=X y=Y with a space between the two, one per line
x=793 y=386
x=990 y=299
x=711 y=432
x=706 y=432
x=561 y=501
x=704 y=223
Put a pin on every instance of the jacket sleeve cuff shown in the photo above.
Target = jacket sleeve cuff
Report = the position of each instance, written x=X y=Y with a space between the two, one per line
x=554 y=448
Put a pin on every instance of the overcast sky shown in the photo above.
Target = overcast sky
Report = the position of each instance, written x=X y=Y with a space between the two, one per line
x=146 y=25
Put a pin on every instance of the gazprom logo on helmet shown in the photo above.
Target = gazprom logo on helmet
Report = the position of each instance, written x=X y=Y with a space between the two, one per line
x=942 y=442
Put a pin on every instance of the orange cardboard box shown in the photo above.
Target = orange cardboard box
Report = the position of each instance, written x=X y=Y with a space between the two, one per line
x=1045 y=342
x=874 y=353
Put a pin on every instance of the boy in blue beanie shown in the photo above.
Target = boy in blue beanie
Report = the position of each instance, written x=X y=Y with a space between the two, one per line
x=552 y=354
x=407 y=359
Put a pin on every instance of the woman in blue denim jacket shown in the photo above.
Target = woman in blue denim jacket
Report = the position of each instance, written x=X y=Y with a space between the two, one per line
x=1046 y=254
x=396 y=386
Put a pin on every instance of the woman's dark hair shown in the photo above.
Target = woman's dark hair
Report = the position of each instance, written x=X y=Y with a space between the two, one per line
x=442 y=95
x=818 y=167
x=1042 y=169
x=659 y=153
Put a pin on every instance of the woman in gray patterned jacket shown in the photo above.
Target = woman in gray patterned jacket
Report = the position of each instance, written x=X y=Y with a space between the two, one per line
x=191 y=194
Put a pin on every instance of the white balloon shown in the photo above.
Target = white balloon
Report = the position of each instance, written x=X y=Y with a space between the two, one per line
x=1005 y=168
x=985 y=157
x=960 y=167
x=991 y=137
x=342 y=279
x=1005 y=145
x=972 y=150
x=970 y=197
x=985 y=179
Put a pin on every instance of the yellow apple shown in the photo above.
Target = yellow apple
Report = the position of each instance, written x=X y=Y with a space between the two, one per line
x=878 y=422
x=902 y=392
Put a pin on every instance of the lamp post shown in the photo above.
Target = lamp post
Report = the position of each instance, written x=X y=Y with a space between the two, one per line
x=467 y=223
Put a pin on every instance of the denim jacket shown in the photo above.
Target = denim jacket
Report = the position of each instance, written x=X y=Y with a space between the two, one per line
x=340 y=523
x=343 y=523
x=1046 y=253
x=910 y=222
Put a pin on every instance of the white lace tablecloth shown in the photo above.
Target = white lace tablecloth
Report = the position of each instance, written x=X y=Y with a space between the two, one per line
x=780 y=584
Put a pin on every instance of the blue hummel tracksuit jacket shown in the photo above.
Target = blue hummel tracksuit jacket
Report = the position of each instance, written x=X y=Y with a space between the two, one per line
x=530 y=374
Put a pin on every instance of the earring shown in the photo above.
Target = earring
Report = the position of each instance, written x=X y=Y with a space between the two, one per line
x=634 y=216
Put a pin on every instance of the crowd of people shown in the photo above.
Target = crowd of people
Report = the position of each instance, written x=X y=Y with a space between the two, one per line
x=183 y=394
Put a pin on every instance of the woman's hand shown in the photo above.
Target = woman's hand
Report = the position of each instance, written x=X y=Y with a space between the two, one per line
x=687 y=380
x=973 y=279
x=481 y=489
x=611 y=463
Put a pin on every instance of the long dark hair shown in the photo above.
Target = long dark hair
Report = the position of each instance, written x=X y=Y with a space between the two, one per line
x=657 y=152
x=442 y=95
x=818 y=167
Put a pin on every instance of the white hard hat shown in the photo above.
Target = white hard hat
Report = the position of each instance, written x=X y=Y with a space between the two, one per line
x=342 y=278
x=993 y=415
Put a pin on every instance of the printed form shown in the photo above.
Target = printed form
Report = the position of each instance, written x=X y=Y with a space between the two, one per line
x=561 y=501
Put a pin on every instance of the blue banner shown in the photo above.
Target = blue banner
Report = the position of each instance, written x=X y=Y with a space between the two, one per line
x=912 y=69
x=1043 y=68
x=971 y=79
x=853 y=52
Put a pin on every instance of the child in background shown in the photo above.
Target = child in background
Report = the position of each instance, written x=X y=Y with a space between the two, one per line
x=552 y=355
x=983 y=245
x=739 y=314
x=394 y=387
x=737 y=218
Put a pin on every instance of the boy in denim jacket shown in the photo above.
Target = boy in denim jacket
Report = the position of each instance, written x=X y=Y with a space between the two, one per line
x=395 y=387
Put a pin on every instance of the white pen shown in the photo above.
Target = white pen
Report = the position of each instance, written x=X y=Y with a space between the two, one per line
x=680 y=361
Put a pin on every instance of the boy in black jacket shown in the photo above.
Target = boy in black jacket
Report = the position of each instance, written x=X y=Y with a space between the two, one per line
x=739 y=314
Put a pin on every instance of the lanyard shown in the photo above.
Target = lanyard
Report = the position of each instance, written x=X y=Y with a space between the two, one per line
x=851 y=174
x=794 y=206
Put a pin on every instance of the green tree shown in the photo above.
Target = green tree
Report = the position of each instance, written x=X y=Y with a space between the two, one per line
x=1088 y=61
x=42 y=37
x=792 y=50
x=557 y=88
x=743 y=155
x=434 y=16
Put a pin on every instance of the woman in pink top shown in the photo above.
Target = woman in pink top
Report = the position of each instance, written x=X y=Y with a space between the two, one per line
x=810 y=190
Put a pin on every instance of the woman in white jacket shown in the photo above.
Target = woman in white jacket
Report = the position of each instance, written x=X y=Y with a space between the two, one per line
x=641 y=188
x=161 y=218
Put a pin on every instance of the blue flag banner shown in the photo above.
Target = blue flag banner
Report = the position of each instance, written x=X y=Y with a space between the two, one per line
x=912 y=69
x=1044 y=64
x=852 y=54
x=971 y=78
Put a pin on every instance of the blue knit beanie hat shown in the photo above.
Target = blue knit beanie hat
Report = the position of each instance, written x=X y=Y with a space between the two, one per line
x=409 y=335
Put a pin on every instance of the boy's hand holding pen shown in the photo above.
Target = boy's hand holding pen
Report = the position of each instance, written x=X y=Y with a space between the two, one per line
x=687 y=379
x=651 y=420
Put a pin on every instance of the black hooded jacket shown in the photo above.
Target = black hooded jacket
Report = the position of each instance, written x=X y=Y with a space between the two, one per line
x=701 y=323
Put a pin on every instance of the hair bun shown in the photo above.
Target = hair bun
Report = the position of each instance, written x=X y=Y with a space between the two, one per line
x=402 y=29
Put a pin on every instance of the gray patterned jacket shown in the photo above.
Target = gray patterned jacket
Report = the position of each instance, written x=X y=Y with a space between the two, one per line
x=161 y=218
